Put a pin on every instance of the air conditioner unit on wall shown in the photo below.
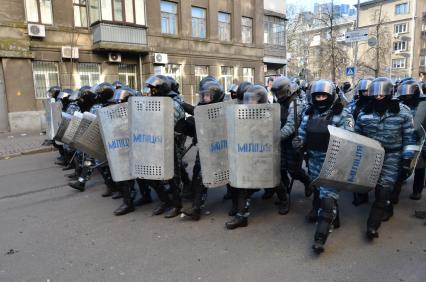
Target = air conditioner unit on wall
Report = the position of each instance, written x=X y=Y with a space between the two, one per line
x=36 y=30
x=160 y=58
x=68 y=54
x=114 y=57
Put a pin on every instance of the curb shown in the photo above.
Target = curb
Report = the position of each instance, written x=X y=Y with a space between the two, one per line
x=29 y=152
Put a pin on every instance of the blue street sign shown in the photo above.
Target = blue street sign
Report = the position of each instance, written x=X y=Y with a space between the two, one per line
x=350 y=71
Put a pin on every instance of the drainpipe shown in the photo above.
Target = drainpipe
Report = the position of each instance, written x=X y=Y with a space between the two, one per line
x=140 y=73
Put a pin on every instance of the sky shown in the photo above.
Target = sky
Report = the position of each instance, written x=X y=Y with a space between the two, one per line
x=309 y=4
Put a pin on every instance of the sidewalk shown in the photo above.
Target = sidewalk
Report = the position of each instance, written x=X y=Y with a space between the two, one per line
x=22 y=143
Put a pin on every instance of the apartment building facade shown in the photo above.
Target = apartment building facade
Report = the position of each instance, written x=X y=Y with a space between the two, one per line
x=73 y=43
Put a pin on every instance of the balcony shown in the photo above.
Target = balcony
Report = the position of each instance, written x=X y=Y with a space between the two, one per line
x=114 y=37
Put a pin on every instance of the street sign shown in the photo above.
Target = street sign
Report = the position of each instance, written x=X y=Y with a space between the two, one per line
x=356 y=35
x=350 y=71
x=372 y=41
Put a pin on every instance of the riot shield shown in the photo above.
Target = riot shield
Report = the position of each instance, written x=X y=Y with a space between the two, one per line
x=420 y=117
x=87 y=119
x=53 y=117
x=254 y=145
x=151 y=137
x=417 y=149
x=113 y=121
x=353 y=162
x=212 y=137
x=91 y=142
x=65 y=121
x=72 y=128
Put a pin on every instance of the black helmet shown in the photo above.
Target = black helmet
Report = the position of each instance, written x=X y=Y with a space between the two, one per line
x=242 y=88
x=210 y=92
x=53 y=92
x=381 y=86
x=157 y=85
x=256 y=94
x=87 y=99
x=363 y=85
x=174 y=85
x=281 y=88
x=77 y=93
x=346 y=86
x=323 y=87
x=409 y=88
x=103 y=91
x=233 y=90
x=64 y=96
x=118 y=84
x=121 y=95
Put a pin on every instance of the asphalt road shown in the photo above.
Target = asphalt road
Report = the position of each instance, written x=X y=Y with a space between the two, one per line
x=49 y=232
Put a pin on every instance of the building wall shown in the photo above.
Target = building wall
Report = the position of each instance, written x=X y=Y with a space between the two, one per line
x=18 y=50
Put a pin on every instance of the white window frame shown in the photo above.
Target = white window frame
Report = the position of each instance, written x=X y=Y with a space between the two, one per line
x=39 y=92
x=400 y=46
x=400 y=4
x=92 y=80
x=77 y=8
x=40 y=19
x=170 y=18
x=103 y=10
x=199 y=23
x=248 y=74
x=199 y=75
x=178 y=75
x=401 y=65
x=400 y=28
x=246 y=31
x=128 y=74
x=224 y=27
x=226 y=79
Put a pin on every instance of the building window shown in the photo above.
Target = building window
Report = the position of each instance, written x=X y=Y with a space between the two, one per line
x=400 y=28
x=80 y=13
x=224 y=26
x=248 y=74
x=89 y=73
x=400 y=46
x=127 y=74
x=122 y=11
x=199 y=22
x=39 y=11
x=246 y=30
x=46 y=75
x=401 y=8
x=168 y=17
x=226 y=77
x=174 y=71
x=274 y=31
x=398 y=63
x=200 y=73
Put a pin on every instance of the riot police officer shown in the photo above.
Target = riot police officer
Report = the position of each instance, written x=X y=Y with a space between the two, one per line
x=160 y=86
x=410 y=94
x=210 y=92
x=392 y=125
x=313 y=136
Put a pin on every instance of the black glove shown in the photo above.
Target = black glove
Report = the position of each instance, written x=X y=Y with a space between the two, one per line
x=405 y=169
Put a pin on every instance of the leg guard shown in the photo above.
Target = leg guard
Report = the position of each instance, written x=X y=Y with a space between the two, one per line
x=378 y=211
x=326 y=215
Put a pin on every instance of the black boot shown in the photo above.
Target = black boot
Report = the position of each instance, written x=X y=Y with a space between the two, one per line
x=359 y=199
x=166 y=203
x=227 y=195
x=284 y=199
x=108 y=191
x=394 y=195
x=193 y=213
x=418 y=184
x=234 y=199
x=145 y=193
x=116 y=195
x=127 y=206
x=377 y=212
x=326 y=216
x=80 y=186
x=237 y=221
x=176 y=199
x=312 y=216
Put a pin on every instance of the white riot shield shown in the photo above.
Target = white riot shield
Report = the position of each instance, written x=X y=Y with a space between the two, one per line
x=65 y=121
x=152 y=137
x=114 y=128
x=353 y=162
x=53 y=117
x=254 y=145
x=91 y=142
x=418 y=162
x=87 y=119
x=72 y=128
x=212 y=136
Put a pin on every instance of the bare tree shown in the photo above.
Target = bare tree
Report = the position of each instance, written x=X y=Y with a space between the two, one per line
x=375 y=57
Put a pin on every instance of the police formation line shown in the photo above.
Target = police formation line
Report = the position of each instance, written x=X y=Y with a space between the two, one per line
x=355 y=140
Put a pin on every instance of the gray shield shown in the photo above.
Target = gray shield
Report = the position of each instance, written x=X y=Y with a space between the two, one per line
x=65 y=121
x=152 y=137
x=420 y=117
x=114 y=128
x=72 y=128
x=353 y=162
x=91 y=142
x=212 y=136
x=417 y=161
x=53 y=117
x=254 y=145
x=87 y=119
